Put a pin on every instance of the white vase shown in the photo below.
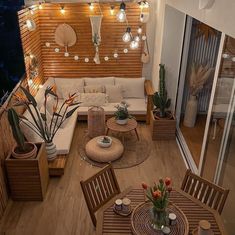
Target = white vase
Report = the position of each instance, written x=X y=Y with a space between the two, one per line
x=51 y=151
x=122 y=122
x=191 y=112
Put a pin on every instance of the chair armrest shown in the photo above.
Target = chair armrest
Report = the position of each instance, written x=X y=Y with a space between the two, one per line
x=148 y=88
x=149 y=92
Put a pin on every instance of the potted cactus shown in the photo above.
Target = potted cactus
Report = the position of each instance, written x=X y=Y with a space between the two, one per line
x=162 y=120
x=23 y=149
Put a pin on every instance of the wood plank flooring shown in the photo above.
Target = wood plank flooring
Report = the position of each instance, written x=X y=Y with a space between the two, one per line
x=64 y=210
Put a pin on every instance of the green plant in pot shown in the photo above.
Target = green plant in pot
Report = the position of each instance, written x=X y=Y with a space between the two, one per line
x=23 y=149
x=44 y=124
x=160 y=99
x=122 y=114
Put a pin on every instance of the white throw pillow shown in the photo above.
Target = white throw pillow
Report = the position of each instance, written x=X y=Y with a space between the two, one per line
x=99 y=81
x=114 y=93
x=94 y=89
x=93 y=99
x=132 y=87
x=68 y=86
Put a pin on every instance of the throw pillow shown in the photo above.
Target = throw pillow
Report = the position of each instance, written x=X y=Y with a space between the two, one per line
x=132 y=87
x=94 y=89
x=114 y=93
x=99 y=81
x=93 y=99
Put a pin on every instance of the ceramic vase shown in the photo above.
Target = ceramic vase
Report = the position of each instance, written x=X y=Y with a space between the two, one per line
x=158 y=218
x=30 y=154
x=191 y=112
x=51 y=151
x=122 y=122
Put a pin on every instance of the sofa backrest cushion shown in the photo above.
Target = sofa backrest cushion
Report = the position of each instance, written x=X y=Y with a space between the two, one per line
x=114 y=93
x=132 y=87
x=94 y=89
x=99 y=81
x=68 y=86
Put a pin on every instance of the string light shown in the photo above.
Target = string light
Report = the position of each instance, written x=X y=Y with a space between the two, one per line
x=30 y=82
x=121 y=15
x=112 y=10
x=137 y=38
x=62 y=10
x=125 y=50
x=40 y=6
x=134 y=44
x=127 y=35
x=91 y=6
x=139 y=30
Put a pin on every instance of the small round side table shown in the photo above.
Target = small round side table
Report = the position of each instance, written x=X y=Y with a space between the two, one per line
x=130 y=126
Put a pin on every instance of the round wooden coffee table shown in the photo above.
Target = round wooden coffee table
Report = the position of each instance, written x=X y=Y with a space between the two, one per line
x=99 y=154
x=130 y=126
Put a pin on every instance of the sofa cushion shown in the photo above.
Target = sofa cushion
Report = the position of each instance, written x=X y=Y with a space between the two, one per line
x=99 y=81
x=68 y=86
x=132 y=87
x=93 y=99
x=136 y=107
x=114 y=93
x=94 y=89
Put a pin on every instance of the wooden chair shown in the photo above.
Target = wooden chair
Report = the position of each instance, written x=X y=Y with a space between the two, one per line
x=205 y=191
x=99 y=189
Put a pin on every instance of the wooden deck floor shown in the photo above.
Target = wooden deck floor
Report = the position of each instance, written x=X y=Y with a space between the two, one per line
x=64 y=212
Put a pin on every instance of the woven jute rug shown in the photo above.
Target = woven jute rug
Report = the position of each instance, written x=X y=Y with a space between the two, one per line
x=135 y=152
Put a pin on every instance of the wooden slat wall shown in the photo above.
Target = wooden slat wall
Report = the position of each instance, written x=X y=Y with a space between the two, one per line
x=77 y=15
x=31 y=44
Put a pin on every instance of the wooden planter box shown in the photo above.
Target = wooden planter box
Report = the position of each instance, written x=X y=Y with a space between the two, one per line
x=28 y=178
x=162 y=129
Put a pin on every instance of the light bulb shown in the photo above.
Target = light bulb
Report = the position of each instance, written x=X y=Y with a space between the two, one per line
x=76 y=57
x=66 y=54
x=91 y=6
x=144 y=37
x=225 y=55
x=121 y=15
x=134 y=45
x=40 y=6
x=137 y=38
x=125 y=50
x=115 y=55
x=141 y=5
x=106 y=58
x=139 y=30
x=47 y=44
x=57 y=50
x=62 y=10
x=127 y=35
x=141 y=17
x=146 y=4
x=86 y=60
x=30 y=82
x=112 y=10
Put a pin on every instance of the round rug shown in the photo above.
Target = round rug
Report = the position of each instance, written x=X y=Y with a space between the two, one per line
x=135 y=152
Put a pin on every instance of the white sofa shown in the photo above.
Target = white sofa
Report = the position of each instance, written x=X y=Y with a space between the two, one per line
x=132 y=89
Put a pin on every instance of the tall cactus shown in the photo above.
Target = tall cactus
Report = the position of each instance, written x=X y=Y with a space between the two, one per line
x=160 y=99
x=15 y=126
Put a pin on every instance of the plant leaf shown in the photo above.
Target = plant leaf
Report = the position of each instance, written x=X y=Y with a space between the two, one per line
x=43 y=116
x=68 y=114
x=29 y=96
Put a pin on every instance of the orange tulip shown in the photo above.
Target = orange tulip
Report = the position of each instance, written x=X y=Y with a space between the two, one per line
x=157 y=194
x=167 y=181
x=144 y=185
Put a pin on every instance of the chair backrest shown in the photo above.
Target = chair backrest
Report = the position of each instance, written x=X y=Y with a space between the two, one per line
x=99 y=189
x=205 y=191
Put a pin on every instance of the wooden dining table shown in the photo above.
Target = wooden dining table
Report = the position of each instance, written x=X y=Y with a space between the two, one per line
x=108 y=222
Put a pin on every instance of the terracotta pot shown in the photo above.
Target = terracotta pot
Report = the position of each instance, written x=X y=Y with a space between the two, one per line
x=122 y=122
x=32 y=153
x=191 y=112
x=51 y=151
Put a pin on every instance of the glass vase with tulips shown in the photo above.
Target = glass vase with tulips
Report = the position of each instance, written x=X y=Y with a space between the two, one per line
x=159 y=196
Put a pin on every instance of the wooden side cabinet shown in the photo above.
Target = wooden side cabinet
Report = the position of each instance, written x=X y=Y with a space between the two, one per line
x=28 y=178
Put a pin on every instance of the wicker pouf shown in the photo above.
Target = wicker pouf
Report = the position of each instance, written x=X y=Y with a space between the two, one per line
x=99 y=154
x=96 y=121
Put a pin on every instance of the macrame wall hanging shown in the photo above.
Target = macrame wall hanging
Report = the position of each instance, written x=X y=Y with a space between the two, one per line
x=96 y=36
x=65 y=36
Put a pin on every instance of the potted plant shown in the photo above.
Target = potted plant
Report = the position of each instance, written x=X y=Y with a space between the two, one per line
x=122 y=115
x=104 y=141
x=23 y=149
x=197 y=80
x=159 y=196
x=44 y=126
x=162 y=120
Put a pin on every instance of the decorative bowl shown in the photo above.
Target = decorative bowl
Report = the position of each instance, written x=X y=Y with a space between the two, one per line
x=103 y=144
